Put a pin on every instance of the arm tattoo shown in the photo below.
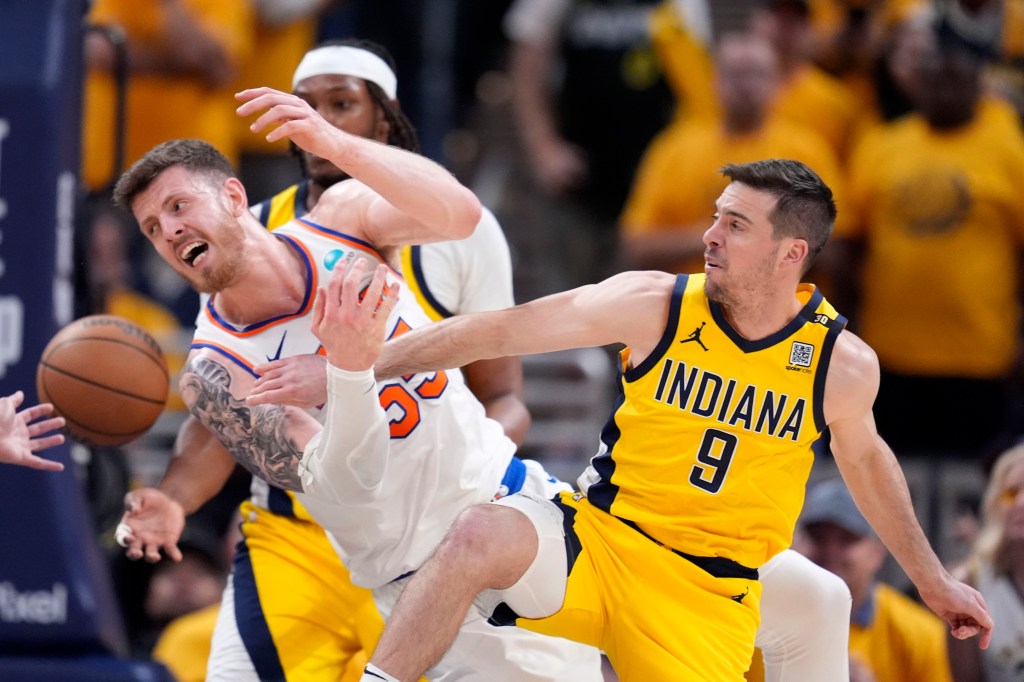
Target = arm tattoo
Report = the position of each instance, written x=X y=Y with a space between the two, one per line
x=255 y=435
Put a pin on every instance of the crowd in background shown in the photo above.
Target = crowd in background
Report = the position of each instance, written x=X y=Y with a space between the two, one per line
x=594 y=130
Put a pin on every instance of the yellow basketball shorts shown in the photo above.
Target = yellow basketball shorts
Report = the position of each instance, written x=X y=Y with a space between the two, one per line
x=298 y=613
x=657 y=615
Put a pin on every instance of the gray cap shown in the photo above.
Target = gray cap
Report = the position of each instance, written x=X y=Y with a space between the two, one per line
x=831 y=502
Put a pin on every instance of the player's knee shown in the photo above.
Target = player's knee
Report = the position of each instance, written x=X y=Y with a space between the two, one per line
x=829 y=601
x=486 y=542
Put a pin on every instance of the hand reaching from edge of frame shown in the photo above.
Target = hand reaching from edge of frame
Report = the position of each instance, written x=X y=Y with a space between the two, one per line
x=21 y=435
x=152 y=522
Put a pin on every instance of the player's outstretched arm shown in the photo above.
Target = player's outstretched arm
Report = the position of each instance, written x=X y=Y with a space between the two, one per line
x=21 y=435
x=152 y=523
x=155 y=518
x=878 y=486
x=629 y=308
x=413 y=200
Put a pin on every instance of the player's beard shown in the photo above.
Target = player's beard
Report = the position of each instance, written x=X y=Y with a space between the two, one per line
x=229 y=252
x=742 y=286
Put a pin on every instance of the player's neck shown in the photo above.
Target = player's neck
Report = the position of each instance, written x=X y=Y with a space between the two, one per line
x=273 y=283
x=758 y=317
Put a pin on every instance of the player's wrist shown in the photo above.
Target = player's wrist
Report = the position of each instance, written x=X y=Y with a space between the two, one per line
x=343 y=378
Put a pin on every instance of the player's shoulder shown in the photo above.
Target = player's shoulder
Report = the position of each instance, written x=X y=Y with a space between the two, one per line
x=853 y=354
x=641 y=282
x=853 y=374
x=633 y=295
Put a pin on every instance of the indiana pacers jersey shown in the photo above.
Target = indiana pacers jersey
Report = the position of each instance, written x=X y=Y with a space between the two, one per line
x=434 y=422
x=709 y=446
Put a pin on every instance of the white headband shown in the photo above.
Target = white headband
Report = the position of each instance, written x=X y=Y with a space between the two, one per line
x=347 y=61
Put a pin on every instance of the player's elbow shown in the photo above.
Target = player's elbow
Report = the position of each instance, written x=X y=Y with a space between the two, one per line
x=465 y=215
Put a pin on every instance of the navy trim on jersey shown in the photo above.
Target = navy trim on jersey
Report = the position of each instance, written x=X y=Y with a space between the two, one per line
x=671 y=328
x=421 y=278
x=603 y=493
x=252 y=622
x=263 y=212
x=299 y=204
x=747 y=346
x=230 y=357
x=228 y=327
x=326 y=230
x=834 y=328
x=718 y=566
x=280 y=502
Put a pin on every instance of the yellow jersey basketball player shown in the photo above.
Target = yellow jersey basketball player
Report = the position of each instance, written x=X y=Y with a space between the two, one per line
x=704 y=460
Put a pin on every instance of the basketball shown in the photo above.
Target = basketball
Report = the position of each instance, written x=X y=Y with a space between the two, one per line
x=106 y=376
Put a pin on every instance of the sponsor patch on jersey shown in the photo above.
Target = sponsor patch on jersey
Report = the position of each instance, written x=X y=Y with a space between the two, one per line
x=331 y=258
x=801 y=354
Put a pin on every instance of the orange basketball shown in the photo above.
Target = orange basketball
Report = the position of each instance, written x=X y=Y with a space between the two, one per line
x=106 y=376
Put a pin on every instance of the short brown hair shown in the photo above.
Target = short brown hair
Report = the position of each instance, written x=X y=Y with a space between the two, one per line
x=192 y=154
x=804 y=207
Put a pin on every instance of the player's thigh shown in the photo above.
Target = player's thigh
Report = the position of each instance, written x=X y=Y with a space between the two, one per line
x=295 y=608
x=662 y=616
x=805 y=621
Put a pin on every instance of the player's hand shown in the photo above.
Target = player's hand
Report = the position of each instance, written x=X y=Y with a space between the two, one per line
x=298 y=381
x=963 y=608
x=21 y=435
x=152 y=523
x=293 y=117
x=352 y=328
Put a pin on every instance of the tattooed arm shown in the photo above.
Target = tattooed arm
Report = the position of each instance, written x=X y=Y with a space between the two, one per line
x=265 y=439
x=345 y=460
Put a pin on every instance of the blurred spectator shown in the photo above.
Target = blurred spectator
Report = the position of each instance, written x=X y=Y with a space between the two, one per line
x=809 y=96
x=997 y=29
x=182 y=58
x=682 y=34
x=110 y=281
x=850 y=37
x=996 y=569
x=892 y=638
x=588 y=97
x=284 y=30
x=936 y=210
x=676 y=186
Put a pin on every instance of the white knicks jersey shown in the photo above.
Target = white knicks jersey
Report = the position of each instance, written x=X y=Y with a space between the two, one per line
x=426 y=431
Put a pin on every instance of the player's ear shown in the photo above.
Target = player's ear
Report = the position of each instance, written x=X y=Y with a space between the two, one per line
x=237 y=199
x=797 y=252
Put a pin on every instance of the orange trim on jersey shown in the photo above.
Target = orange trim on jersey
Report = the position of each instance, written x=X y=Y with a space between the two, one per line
x=227 y=352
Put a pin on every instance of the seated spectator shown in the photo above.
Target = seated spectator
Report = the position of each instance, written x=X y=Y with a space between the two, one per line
x=667 y=211
x=892 y=638
x=996 y=569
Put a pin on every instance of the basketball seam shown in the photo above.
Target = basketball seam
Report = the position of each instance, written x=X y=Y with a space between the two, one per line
x=94 y=384
x=114 y=434
x=159 y=361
